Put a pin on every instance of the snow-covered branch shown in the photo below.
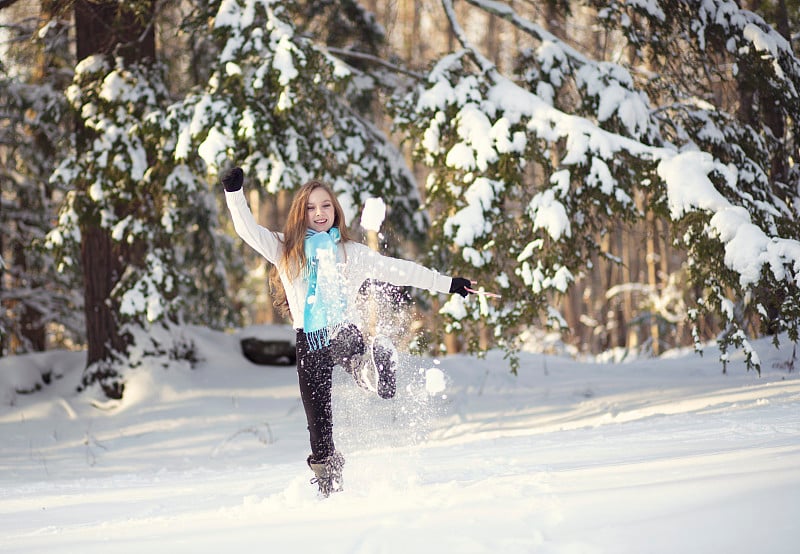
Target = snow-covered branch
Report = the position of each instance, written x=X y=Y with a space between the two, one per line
x=352 y=54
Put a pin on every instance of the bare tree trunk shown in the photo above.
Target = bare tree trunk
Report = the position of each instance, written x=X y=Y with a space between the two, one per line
x=782 y=19
x=410 y=21
x=628 y=275
x=652 y=278
x=615 y=303
x=570 y=303
x=606 y=281
x=491 y=40
x=103 y=264
x=555 y=21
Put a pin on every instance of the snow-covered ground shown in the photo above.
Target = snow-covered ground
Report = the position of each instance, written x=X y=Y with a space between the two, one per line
x=650 y=456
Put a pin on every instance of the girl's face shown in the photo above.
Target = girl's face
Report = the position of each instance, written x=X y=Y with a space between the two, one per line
x=319 y=210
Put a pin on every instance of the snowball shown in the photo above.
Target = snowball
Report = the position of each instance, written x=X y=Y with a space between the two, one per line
x=434 y=380
x=373 y=214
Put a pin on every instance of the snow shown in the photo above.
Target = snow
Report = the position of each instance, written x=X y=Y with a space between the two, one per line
x=468 y=223
x=373 y=214
x=435 y=381
x=455 y=307
x=656 y=455
x=283 y=61
x=213 y=148
x=549 y=214
x=688 y=185
x=662 y=455
x=228 y=15
x=476 y=130
x=90 y=64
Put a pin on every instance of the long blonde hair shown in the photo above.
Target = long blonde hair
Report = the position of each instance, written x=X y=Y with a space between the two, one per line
x=293 y=261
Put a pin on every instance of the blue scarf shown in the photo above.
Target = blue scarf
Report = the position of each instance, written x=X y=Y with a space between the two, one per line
x=326 y=303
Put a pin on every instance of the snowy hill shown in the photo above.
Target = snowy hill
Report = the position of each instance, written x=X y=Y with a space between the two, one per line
x=650 y=456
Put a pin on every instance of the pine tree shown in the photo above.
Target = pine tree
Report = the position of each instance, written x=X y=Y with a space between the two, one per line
x=125 y=207
x=35 y=302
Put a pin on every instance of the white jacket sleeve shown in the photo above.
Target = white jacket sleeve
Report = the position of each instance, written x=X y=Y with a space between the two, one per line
x=263 y=241
x=400 y=272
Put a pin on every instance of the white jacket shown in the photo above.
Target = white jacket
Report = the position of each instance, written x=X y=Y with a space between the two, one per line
x=360 y=262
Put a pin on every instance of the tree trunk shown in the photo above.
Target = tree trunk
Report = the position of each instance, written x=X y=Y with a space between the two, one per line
x=103 y=265
x=652 y=278
x=107 y=27
x=491 y=40
x=629 y=276
x=782 y=19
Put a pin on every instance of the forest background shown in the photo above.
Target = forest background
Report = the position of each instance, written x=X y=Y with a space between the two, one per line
x=623 y=173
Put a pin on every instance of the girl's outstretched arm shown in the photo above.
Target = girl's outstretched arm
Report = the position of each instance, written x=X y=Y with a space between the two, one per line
x=406 y=273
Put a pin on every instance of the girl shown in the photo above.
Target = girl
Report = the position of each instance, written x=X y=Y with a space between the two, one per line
x=317 y=270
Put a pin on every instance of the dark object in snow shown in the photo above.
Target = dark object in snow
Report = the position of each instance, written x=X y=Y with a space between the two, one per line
x=269 y=352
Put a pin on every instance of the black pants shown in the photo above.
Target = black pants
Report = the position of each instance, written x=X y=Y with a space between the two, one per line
x=315 y=375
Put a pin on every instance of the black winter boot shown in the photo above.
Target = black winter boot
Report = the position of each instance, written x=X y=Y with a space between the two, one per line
x=328 y=473
x=348 y=351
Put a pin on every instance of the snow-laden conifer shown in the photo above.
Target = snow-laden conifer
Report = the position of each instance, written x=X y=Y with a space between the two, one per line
x=528 y=168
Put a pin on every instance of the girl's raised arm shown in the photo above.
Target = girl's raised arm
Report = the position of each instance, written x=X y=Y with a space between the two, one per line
x=262 y=240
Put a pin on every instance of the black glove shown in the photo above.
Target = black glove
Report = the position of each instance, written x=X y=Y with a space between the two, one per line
x=232 y=179
x=459 y=286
